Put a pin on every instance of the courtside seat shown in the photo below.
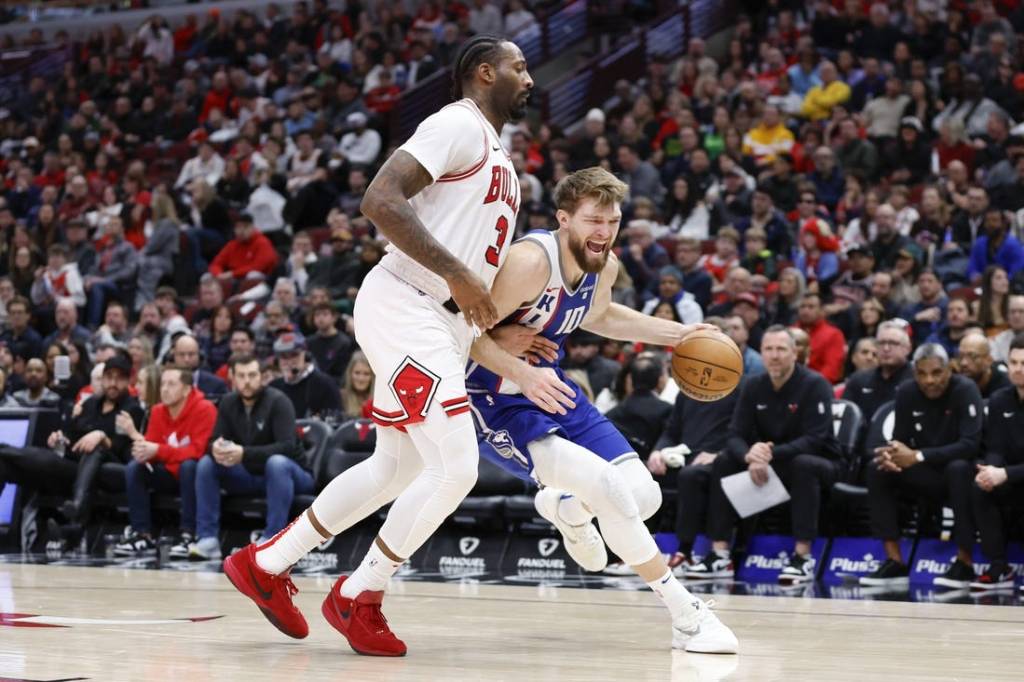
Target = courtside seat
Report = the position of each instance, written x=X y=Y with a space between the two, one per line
x=849 y=499
x=486 y=501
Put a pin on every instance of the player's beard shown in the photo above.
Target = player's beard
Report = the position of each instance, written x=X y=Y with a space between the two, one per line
x=517 y=111
x=589 y=261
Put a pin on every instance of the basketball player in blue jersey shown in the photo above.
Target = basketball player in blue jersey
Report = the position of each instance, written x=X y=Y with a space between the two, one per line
x=552 y=283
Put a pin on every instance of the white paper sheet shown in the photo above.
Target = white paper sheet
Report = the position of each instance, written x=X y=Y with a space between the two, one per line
x=749 y=499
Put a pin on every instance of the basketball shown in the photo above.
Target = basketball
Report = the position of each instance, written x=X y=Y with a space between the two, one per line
x=707 y=365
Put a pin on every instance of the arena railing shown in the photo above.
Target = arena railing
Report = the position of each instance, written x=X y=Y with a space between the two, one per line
x=567 y=99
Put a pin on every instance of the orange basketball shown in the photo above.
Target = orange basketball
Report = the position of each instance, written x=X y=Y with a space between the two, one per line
x=707 y=365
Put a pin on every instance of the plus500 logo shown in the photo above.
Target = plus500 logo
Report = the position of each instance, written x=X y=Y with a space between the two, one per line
x=868 y=564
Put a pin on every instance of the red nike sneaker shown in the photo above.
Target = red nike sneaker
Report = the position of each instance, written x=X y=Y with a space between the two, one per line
x=361 y=622
x=272 y=593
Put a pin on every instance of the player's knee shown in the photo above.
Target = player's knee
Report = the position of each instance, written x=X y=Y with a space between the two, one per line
x=648 y=499
x=461 y=461
x=645 y=490
x=616 y=496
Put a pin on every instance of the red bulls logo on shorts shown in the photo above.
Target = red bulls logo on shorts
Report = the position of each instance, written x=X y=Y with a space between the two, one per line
x=413 y=386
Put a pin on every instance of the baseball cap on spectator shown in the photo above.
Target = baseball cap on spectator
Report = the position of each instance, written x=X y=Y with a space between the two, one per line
x=191 y=65
x=673 y=272
x=30 y=141
x=170 y=292
x=120 y=362
x=906 y=253
x=289 y=343
x=858 y=249
x=198 y=136
x=822 y=232
x=356 y=119
x=912 y=122
x=746 y=297
x=595 y=115
x=259 y=60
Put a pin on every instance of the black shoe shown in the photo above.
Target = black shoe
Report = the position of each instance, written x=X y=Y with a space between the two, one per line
x=958 y=576
x=891 y=573
x=799 y=569
x=135 y=545
x=999 y=576
x=713 y=567
x=179 y=550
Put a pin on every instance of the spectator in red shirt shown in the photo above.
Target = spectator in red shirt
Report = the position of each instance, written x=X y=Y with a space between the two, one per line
x=218 y=97
x=383 y=98
x=250 y=253
x=828 y=345
x=165 y=458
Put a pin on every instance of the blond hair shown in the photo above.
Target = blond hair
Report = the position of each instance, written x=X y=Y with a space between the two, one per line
x=589 y=183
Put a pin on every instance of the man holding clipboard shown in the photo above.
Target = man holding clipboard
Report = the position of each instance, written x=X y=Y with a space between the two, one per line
x=781 y=429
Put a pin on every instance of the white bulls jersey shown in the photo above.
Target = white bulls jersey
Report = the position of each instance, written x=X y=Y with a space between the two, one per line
x=471 y=207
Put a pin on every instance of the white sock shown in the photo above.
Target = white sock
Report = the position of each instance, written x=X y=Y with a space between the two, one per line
x=572 y=510
x=676 y=597
x=372 y=575
x=722 y=553
x=294 y=541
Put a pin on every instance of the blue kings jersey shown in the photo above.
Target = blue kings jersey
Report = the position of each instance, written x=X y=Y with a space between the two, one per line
x=557 y=312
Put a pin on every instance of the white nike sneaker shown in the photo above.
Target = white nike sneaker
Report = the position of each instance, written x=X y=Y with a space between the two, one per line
x=584 y=544
x=703 y=633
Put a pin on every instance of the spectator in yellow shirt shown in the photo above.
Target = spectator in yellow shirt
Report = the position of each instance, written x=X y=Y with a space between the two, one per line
x=820 y=99
x=768 y=138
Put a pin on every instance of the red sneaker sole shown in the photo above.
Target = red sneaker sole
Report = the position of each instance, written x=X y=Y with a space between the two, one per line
x=239 y=584
x=330 y=615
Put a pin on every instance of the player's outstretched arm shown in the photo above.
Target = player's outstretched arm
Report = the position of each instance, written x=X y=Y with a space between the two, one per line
x=616 y=321
x=386 y=203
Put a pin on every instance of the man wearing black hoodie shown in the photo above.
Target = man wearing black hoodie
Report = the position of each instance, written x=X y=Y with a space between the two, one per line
x=253 y=449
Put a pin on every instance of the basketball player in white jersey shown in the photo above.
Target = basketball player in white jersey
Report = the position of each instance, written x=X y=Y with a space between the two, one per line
x=552 y=283
x=446 y=201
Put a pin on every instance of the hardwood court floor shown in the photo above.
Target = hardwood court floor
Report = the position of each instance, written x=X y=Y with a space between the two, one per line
x=470 y=631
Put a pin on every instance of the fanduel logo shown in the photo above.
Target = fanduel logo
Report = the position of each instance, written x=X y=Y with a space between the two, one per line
x=532 y=562
x=763 y=562
x=462 y=562
x=314 y=560
x=547 y=546
x=867 y=565
x=468 y=545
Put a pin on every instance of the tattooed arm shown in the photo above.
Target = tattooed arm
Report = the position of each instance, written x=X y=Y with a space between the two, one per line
x=386 y=203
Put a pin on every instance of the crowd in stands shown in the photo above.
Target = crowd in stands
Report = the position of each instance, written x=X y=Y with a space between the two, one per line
x=840 y=189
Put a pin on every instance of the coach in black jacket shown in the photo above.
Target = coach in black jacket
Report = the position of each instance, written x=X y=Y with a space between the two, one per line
x=936 y=437
x=783 y=420
x=999 y=482
x=254 y=448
